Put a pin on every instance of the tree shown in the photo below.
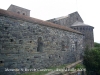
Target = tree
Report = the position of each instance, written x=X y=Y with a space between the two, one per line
x=92 y=60
x=96 y=44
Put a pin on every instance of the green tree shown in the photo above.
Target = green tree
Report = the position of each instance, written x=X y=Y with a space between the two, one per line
x=96 y=44
x=92 y=61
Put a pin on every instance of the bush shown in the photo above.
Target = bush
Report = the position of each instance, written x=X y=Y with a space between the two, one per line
x=92 y=60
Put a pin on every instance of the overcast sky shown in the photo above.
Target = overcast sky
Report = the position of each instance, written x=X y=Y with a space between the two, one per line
x=48 y=9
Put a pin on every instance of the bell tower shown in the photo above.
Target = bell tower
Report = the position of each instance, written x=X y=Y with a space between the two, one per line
x=19 y=10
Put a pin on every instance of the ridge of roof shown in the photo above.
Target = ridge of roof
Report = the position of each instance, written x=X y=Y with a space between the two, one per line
x=34 y=20
x=74 y=12
x=61 y=17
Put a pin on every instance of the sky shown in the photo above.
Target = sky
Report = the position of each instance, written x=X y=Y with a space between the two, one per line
x=48 y=9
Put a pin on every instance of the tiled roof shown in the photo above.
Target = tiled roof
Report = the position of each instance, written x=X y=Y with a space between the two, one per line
x=77 y=23
x=33 y=20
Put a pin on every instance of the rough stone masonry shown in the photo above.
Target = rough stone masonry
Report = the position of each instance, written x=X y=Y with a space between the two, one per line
x=27 y=42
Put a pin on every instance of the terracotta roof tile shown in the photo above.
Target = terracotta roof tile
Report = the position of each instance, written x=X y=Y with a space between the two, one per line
x=33 y=20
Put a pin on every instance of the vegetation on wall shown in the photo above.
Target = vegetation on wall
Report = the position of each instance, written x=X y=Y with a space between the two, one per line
x=92 y=60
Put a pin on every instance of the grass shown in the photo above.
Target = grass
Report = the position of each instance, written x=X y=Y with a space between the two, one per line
x=79 y=66
x=52 y=68
x=35 y=73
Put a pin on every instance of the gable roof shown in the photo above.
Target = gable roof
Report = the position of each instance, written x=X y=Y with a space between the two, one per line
x=33 y=20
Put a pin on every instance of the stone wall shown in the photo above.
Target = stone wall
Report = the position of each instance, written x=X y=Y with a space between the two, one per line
x=88 y=35
x=25 y=44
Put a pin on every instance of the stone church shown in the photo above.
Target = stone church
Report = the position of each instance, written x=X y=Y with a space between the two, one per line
x=72 y=20
x=27 y=42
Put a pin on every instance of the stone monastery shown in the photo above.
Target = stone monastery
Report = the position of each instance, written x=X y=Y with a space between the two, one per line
x=26 y=42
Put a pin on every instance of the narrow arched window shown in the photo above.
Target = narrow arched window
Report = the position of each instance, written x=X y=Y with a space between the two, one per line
x=40 y=45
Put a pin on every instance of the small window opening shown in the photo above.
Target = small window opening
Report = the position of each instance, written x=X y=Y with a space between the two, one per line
x=63 y=45
x=20 y=41
x=11 y=40
x=1 y=62
x=6 y=28
x=23 y=13
x=49 y=57
x=27 y=59
x=18 y=12
x=30 y=41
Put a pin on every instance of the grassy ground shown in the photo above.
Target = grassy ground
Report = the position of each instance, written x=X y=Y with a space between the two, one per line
x=45 y=72
x=35 y=73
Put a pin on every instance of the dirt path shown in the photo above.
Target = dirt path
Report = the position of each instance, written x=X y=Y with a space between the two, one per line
x=69 y=66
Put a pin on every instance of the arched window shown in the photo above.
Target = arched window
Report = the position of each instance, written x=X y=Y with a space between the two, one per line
x=40 y=45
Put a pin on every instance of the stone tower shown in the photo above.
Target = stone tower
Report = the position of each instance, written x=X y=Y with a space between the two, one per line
x=87 y=30
x=19 y=10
